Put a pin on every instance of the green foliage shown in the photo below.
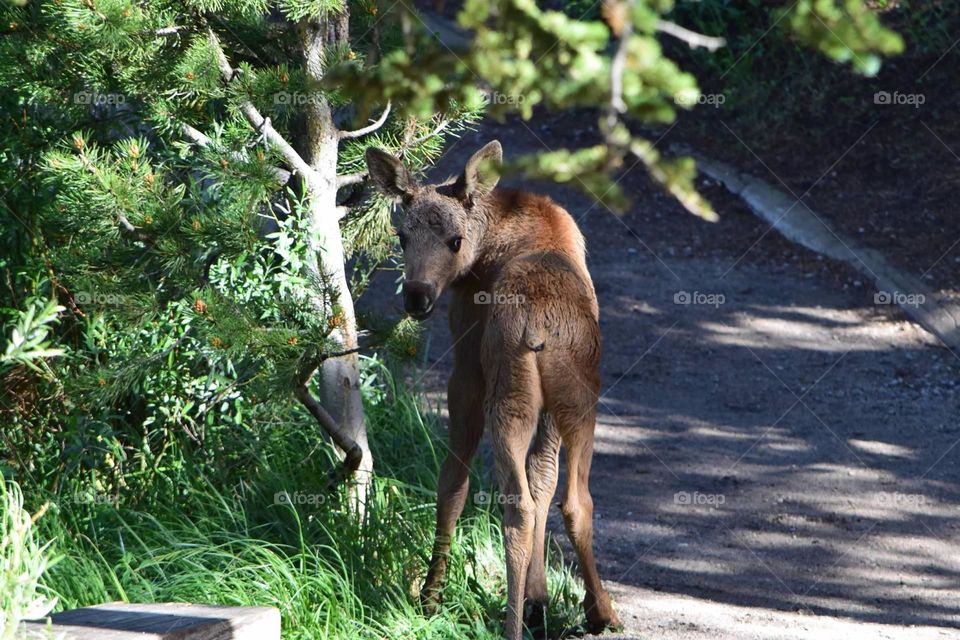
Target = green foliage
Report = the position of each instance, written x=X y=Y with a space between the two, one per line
x=184 y=269
x=765 y=64
x=276 y=538
x=298 y=9
x=24 y=561
x=546 y=57
x=582 y=169
x=28 y=343
x=849 y=32
x=188 y=306
x=525 y=56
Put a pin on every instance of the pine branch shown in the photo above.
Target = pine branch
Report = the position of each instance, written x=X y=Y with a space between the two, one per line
x=692 y=38
x=169 y=31
x=353 y=452
x=368 y=129
x=124 y=223
x=348 y=179
x=261 y=124
x=201 y=139
x=437 y=130
x=195 y=135
x=617 y=65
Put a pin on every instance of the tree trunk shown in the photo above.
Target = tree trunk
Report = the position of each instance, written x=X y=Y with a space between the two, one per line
x=340 y=377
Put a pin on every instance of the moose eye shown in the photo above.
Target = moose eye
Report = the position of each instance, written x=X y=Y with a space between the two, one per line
x=403 y=240
x=455 y=244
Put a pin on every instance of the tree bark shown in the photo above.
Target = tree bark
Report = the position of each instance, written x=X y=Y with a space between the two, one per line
x=340 y=376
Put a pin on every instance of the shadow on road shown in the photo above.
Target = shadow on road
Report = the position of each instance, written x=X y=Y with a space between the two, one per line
x=768 y=437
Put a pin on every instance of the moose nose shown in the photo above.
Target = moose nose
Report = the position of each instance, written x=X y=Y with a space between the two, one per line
x=418 y=299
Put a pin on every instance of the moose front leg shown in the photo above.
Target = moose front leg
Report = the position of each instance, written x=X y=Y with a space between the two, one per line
x=465 y=400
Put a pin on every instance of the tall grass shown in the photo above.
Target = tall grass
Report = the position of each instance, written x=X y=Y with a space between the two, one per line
x=23 y=561
x=330 y=575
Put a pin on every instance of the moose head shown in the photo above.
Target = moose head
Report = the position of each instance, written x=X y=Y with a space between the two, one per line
x=442 y=225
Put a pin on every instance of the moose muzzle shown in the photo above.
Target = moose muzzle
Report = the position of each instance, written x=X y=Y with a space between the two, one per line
x=419 y=299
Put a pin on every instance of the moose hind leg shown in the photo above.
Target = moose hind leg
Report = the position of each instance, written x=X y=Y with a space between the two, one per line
x=512 y=410
x=542 y=471
x=577 y=509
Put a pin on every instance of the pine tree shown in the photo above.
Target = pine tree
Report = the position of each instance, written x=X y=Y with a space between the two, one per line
x=173 y=187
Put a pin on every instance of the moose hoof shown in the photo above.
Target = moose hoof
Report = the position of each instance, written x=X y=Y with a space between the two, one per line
x=430 y=600
x=535 y=618
x=601 y=616
x=599 y=624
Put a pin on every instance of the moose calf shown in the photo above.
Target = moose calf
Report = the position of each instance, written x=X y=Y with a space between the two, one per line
x=524 y=321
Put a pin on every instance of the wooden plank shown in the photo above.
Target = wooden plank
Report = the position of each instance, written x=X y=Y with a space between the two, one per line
x=164 y=621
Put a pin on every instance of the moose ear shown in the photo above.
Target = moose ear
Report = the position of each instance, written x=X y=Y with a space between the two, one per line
x=389 y=174
x=480 y=175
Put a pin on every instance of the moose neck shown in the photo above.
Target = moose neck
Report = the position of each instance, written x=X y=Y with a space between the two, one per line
x=517 y=223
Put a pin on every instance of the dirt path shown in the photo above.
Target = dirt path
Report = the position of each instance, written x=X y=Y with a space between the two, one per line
x=776 y=455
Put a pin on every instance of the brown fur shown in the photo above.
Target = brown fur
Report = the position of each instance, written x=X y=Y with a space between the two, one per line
x=526 y=362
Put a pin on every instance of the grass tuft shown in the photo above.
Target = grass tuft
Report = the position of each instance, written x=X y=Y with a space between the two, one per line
x=276 y=540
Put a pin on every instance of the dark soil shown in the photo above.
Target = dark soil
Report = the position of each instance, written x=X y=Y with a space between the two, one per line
x=885 y=175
